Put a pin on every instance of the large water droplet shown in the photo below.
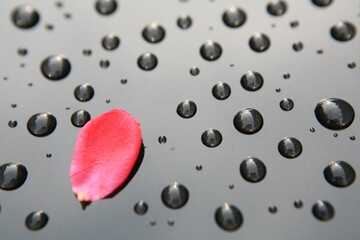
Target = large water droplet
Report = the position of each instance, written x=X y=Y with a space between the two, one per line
x=210 y=50
x=80 y=118
x=186 y=109
x=290 y=147
x=140 y=208
x=147 y=61
x=84 y=92
x=25 y=16
x=252 y=169
x=286 y=104
x=153 y=33
x=184 y=21
x=323 y=210
x=322 y=3
x=110 y=41
x=211 y=138
x=175 y=195
x=106 y=7
x=248 y=121
x=343 y=31
x=228 y=217
x=221 y=91
x=252 y=81
x=259 y=42
x=234 y=17
x=276 y=7
x=334 y=113
x=41 y=124
x=339 y=174
x=55 y=67
x=36 y=220
x=12 y=176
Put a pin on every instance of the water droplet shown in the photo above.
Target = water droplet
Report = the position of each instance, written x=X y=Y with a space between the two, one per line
x=55 y=67
x=153 y=33
x=322 y=3
x=110 y=41
x=12 y=123
x=22 y=51
x=59 y=4
x=339 y=174
x=147 y=61
x=276 y=7
x=252 y=81
x=323 y=210
x=170 y=222
x=286 y=104
x=123 y=81
x=22 y=65
x=352 y=138
x=252 y=170
x=48 y=155
x=287 y=76
x=175 y=195
x=228 y=217
x=186 y=109
x=259 y=42
x=352 y=65
x=67 y=15
x=211 y=138
x=210 y=50
x=290 y=147
x=334 y=113
x=104 y=63
x=141 y=207
x=87 y=52
x=194 y=71
x=231 y=186
x=80 y=118
x=312 y=129
x=36 y=220
x=162 y=139
x=107 y=100
x=30 y=84
x=13 y=105
x=152 y=222
x=234 y=17
x=199 y=167
x=294 y=24
x=41 y=124
x=84 y=92
x=106 y=7
x=49 y=26
x=248 y=121
x=278 y=90
x=320 y=51
x=25 y=16
x=221 y=91
x=298 y=204
x=343 y=31
x=273 y=209
x=298 y=46
x=12 y=176
x=335 y=135
x=184 y=21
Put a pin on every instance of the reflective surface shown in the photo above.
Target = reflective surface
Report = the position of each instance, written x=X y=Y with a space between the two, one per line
x=175 y=196
x=286 y=104
x=36 y=220
x=252 y=169
x=323 y=210
x=106 y=7
x=141 y=207
x=80 y=118
x=290 y=147
x=84 y=92
x=343 y=31
x=12 y=176
x=110 y=41
x=228 y=217
x=248 y=121
x=211 y=138
x=25 y=16
x=55 y=67
x=339 y=174
x=147 y=61
x=41 y=124
x=184 y=21
x=186 y=109
x=252 y=81
x=221 y=90
x=276 y=7
x=259 y=42
x=234 y=17
x=153 y=33
x=210 y=50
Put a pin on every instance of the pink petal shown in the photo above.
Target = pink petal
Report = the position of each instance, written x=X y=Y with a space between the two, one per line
x=105 y=153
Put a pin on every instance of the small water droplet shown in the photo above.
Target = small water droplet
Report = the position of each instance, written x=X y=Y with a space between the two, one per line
x=211 y=138
x=287 y=76
x=323 y=210
x=152 y=222
x=5 y=78
x=162 y=139
x=294 y=24
x=186 y=109
x=170 y=222
x=248 y=121
x=22 y=51
x=104 y=63
x=59 y=4
x=298 y=204
x=184 y=21
x=194 y=71
x=106 y=7
x=67 y=108
x=228 y=217
x=335 y=135
x=123 y=81
x=234 y=17
x=334 y=113
x=175 y=195
x=12 y=176
x=320 y=51
x=41 y=124
x=84 y=92
x=25 y=16
x=273 y=209
x=48 y=155
x=141 y=207
x=312 y=129
x=352 y=138
x=276 y=8
x=322 y=3
x=80 y=118
x=259 y=42
x=339 y=174
x=67 y=15
x=290 y=147
x=252 y=81
x=199 y=167
x=107 y=100
x=352 y=65
x=110 y=42
x=49 y=26
x=286 y=104
x=30 y=84
x=22 y=65
x=153 y=33
x=55 y=67
x=231 y=186
x=13 y=105
x=12 y=123
x=147 y=61
x=252 y=169
x=87 y=52
x=221 y=91
x=298 y=46
x=210 y=50
x=36 y=220
x=343 y=31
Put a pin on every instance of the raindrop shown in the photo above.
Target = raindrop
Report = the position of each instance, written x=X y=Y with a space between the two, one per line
x=298 y=204
x=12 y=123
x=22 y=51
x=228 y=217
x=48 y=155
x=322 y=3
x=352 y=138
x=210 y=50
x=273 y=209
x=290 y=147
x=87 y=52
x=231 y=186
x=286 y=104
x=152 y=222
x=12 y=176
x=49 y=26
x=320 y=51
x=221 y=91
x=106 y=7
x=294 y=24
x=259 y=42
x=276 y=7
x=67 y=15
x=186 y=109
x=84 y=92
x=252 y=170
x=140 y=208
x=55 y=67
x=107 y=100
x=30 y=84
x=162 y=139
x=334 y=113
x=298 y=46
x=104 y=63
x=36 y=220
x=199 y=167
x=211 y=138
x=110 y=41
x=286 y=75
x=123 y=81
x=147 y=61
x=339 y=174
x=248 y=121
x=234 y=17
x=22 y=65
x=59 y=4
x=343 y=31
x=312 y=129
x=41 y=124
x=25 y=16
x=80 y=118
x=323 y=210
x=352 y=65
x=175 y=195
x=170 y=222
x=153 y=33
x=278 y=90
x=184 y=21
x=13 y=105
x=252 y=81
x=335 y=135
x=194 y=71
